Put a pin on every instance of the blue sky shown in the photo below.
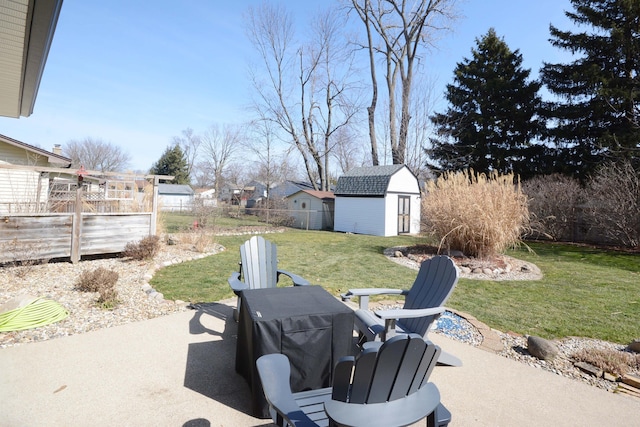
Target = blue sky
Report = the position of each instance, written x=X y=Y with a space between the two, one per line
x=136 y=73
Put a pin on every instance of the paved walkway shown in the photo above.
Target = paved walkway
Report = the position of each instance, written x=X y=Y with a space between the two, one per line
x=178 y=370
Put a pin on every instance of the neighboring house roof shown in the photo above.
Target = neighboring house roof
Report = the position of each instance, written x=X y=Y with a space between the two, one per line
x=288 y=188
x=205 y=191
x=26 y=33
x=366 y=181
x=177 y=189
x=323 y=195
x=51 y=157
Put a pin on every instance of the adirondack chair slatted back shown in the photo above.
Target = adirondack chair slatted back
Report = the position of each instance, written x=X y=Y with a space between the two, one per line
x=400 y=367
x=434 y=284
x=259 y=263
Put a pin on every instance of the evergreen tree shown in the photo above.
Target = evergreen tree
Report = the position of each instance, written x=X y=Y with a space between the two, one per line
x=598 y=116
x=492 y=117
x=172 y=162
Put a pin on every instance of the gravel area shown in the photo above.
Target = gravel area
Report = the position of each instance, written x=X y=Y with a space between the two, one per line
x=56 y=281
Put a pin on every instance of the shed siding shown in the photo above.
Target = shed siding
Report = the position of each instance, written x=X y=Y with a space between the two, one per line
x=362 y=215
x=175 y=202
x=378 y=215
x=403 y=182
x=312 y=211
x=391 y=213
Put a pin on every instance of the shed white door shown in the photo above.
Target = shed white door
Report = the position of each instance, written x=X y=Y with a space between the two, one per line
x=404 y=214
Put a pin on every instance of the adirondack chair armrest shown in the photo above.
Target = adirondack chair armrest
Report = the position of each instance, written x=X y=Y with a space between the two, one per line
x=364 y=294
x=297 y=280
x=236 y=284
x=404 y=411
x=275 y=372
x=406 y=313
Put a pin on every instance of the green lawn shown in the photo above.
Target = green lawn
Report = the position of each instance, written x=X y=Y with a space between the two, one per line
x=584 y=292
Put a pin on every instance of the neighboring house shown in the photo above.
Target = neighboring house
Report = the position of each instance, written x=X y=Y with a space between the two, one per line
x=378 y=200
x=27 y=190
x=253 y=193
x=175 y=197
x=206 y=196
x=230 y=193
x=312 y=210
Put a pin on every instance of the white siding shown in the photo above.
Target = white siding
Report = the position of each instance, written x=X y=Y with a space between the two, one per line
x=307 y=210
x=403 y=182
x=175 y=202
x=362 y=215
x=22 y=191
x=376 y=215
x=20 y=156
x=391 y=214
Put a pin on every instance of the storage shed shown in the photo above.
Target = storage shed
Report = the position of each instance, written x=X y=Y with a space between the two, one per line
x=175 y=197
x=311 y=209
x=378 y=200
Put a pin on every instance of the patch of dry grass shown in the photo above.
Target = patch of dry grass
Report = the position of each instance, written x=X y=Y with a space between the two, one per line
x=480 y=215
x=612 y=361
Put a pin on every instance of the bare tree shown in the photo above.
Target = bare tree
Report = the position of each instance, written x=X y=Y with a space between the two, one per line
x=96 y=154
x=307 y=88
x=218 y=146
x=347 y=152
x=402 y=26
x=262 y=143
x=419 y=134
x=190 y=143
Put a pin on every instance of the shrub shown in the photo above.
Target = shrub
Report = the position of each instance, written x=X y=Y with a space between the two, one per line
x=613 y=203
x=103 y=281
x=552 y=203
x=146 y=248
x=479 y=215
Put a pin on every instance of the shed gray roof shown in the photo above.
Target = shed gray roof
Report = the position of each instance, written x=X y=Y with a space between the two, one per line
x=179 y=189
x=366 y=181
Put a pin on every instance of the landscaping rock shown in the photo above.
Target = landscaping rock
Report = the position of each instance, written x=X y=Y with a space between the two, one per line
x=635 y=346
x=541 y=348
x=398 y=254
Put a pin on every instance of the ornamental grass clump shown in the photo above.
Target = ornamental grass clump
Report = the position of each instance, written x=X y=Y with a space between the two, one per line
x=612 y=361
x=480 y=215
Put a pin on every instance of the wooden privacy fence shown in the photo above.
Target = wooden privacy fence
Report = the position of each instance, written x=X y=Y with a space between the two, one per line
x=70 y=216
x=45 y=236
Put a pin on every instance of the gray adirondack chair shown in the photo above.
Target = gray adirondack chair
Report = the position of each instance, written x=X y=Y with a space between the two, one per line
x=385 y=385
x=424 y=303
x=258 y=269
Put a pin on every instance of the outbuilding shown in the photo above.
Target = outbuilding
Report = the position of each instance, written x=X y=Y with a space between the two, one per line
x=378 y=200
x=311 y=209
x=175 y=197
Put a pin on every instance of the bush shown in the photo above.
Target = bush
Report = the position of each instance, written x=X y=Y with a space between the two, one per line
x=552 y=203
x=477 y=214
x=613 y=203
x=103 y=281
x=146 y=248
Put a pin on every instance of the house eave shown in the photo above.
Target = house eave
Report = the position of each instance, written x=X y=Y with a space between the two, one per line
x=26 y=32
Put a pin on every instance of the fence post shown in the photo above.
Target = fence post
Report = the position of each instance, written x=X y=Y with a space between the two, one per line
x=154 y=207
x=76 y=232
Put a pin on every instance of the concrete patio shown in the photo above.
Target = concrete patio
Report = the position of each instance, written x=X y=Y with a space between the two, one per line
x=178 y=370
